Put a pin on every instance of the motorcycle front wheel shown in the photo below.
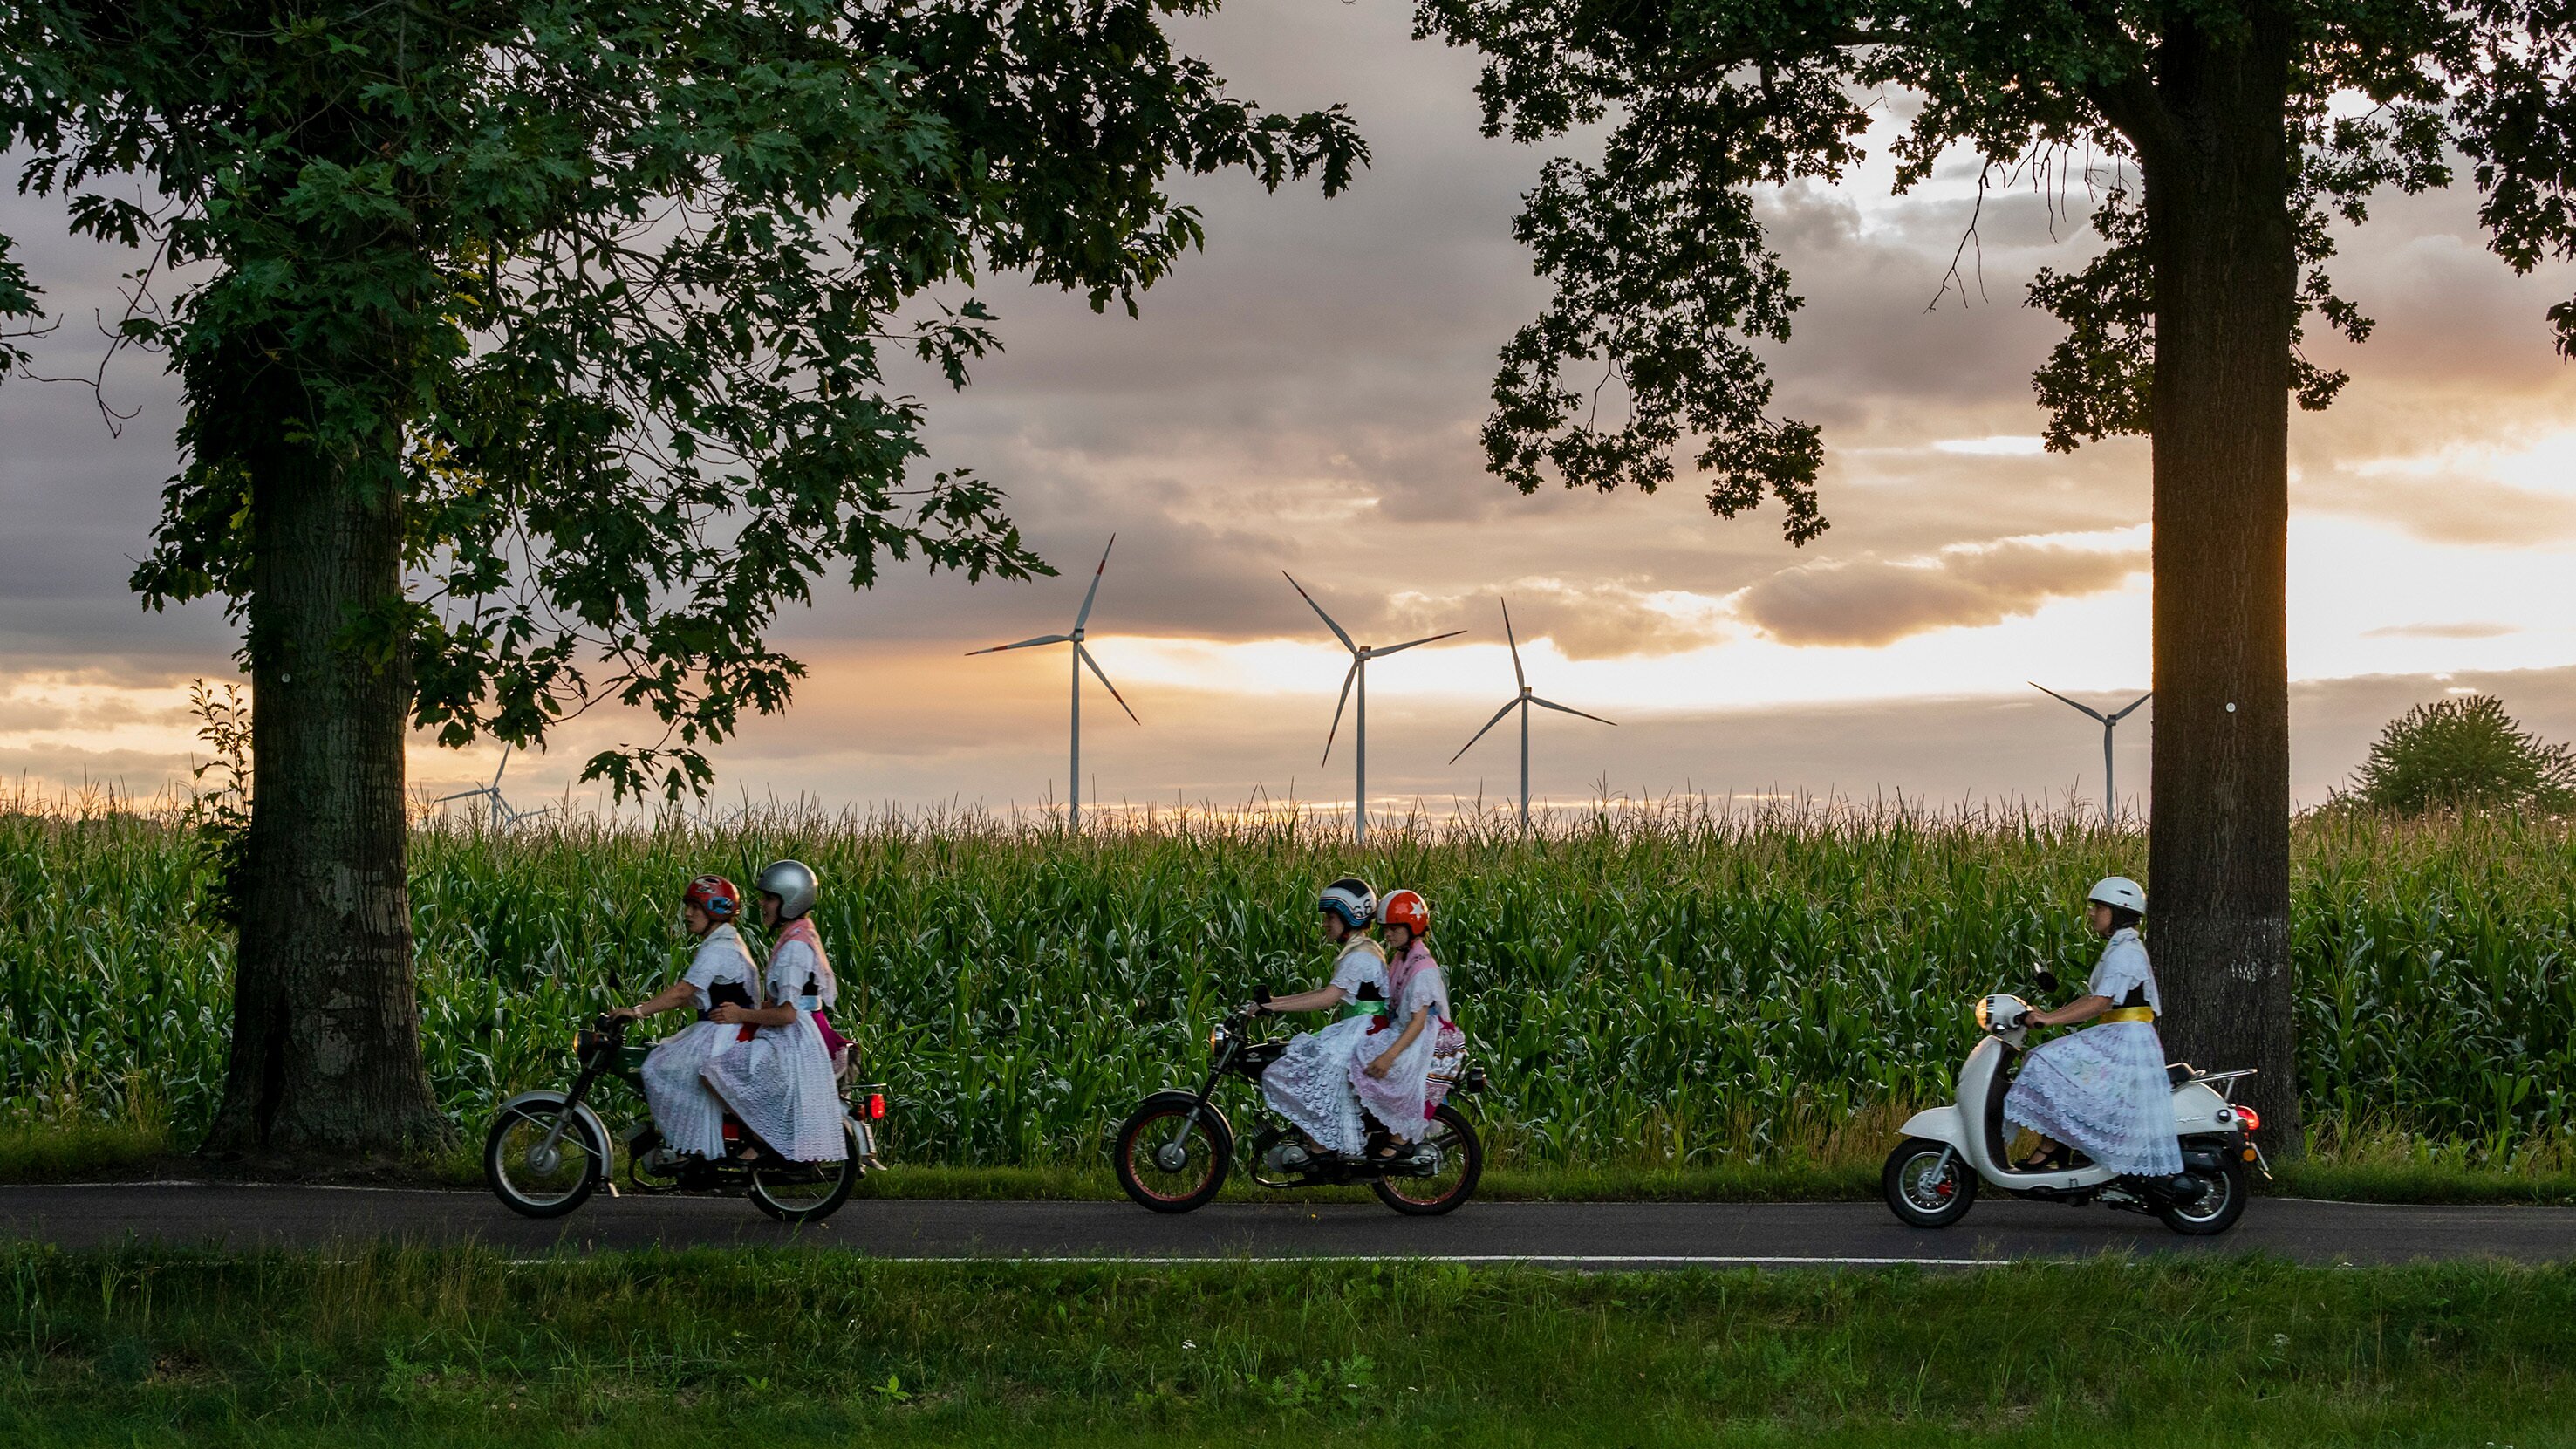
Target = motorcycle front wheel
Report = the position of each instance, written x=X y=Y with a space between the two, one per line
x=1462 y=1166
x=1171 y=1155
x=2222 y=1201
x=1922 y=1189
x=807 y=1192
x=532 y=1178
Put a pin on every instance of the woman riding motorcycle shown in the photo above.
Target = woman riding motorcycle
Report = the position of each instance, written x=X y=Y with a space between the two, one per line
x=1310 y=1084
x=2103 y=1091
x=688 y=1116
x=779 y=1082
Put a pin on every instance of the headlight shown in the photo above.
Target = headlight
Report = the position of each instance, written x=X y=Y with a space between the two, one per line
x=1984 y=1022
x=1215 y=1034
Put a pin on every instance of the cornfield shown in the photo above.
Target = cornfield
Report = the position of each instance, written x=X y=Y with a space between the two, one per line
x=1623 y=978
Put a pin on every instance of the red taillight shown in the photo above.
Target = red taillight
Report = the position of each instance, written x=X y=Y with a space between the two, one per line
x=876 y=1106
x=2252 y=1119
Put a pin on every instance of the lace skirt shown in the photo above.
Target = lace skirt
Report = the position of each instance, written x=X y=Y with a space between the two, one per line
x=688 y=1116
x=1404 y=1098
x=2102 y=1090
x=1310 y=1084
x=780 y=1084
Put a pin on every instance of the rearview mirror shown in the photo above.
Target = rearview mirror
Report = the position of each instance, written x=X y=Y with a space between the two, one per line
x=2047 y=979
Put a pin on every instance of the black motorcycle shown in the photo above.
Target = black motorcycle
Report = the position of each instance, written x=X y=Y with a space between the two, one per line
x=548 y=1151
x=1174 y=1151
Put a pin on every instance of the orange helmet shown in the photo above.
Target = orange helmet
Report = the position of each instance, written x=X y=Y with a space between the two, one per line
x=714 y=895
x=1406 y=908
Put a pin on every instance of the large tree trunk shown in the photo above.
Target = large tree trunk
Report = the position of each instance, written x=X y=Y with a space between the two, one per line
x=2226 y=276
x=326 y=1064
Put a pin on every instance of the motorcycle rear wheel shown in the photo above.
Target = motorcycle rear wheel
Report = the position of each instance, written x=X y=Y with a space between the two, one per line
x=1173 y=1124
x=521 y=1173
x=1921 y=1190
x=2222 y=1202
x=807 y=1192
x=1462 y=1166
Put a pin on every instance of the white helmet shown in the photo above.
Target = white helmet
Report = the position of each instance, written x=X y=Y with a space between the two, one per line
x=2119 y=891
x=1352 y=900
x=794 y=883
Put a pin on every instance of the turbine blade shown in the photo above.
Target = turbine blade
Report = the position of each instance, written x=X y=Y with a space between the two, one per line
x=2133 y=704
x=1094 y=666
x=2062 y=699
x=1375 y=653
x=1319 y=611
x=462 y=794
x=1509 y=638
x=1023 y=644
x=1480 y=734
x=1094 y=592
x=1352 y=674
x=1569 y=709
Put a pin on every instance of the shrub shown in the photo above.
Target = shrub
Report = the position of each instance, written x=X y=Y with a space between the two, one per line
x=2464 y=753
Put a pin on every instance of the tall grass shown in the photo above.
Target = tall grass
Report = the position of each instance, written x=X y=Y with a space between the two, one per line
x=1676 y=985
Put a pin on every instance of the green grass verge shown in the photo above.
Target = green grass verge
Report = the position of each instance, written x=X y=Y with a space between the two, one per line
x=412 y=1347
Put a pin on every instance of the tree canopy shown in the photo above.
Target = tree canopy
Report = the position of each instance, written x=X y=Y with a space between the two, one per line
x=2463 y=753
x=1668 y=284
x=604 y=294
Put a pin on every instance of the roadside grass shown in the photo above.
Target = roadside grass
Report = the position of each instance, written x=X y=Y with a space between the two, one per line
x=406 y=1346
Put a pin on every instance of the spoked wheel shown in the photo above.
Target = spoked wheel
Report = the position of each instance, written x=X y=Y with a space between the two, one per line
x=1171 y=1155
x=807 y=1192
x=1452 y=1138
x=2222 y=1201
x=533 y=1177
x=1928 y=1184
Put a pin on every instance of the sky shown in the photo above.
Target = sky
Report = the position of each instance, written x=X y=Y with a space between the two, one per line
x=1305 y=396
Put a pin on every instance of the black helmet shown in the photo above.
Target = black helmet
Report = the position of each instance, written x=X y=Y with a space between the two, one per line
x=1352 y=899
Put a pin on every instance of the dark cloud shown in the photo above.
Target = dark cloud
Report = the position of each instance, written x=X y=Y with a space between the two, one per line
x=1878 y=601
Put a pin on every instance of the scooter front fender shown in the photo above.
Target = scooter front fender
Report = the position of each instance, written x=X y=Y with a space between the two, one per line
x=1939 y=1124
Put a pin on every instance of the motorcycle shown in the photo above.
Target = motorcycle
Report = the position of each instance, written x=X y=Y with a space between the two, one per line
x=548 y=1151
x=1175 y=1150
x=1931 y=1179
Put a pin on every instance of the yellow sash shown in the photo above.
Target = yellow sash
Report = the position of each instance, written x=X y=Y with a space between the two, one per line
x=2129 y=1013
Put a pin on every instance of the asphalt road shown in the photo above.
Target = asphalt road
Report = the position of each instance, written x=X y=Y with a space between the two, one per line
x=1603 y=1235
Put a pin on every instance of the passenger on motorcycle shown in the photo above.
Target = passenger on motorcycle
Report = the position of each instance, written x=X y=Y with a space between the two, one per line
x=779 y=1081
x=2103 y=1090
x=1394 y=1075
x=719 y=979
x=1310 y=1084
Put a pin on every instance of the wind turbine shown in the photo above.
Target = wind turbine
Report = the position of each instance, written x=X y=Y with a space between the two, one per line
x=1521 y=702
x=1081 y=660
x=502 y=814
x=1361 y=654
x=2110 y=723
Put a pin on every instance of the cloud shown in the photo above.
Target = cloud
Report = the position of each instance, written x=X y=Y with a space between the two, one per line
x=1875 y=601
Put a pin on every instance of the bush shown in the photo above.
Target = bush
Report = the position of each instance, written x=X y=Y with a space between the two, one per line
x=2464 y=753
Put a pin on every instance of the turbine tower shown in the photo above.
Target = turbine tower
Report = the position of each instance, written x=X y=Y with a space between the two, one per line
x=1522 y=702
x=2110 y=723
x=502 y=814
x=1081 y=660
x=1361 y=654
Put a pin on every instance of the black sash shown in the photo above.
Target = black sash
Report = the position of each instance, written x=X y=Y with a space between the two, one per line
x=725 y=993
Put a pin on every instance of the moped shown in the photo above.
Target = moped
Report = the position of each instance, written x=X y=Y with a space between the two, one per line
x=1174 y=1151
x=548 y=1151
x=1931 y=1179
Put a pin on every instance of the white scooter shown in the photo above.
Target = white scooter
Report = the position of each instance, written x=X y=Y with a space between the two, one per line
x=1931 y=1178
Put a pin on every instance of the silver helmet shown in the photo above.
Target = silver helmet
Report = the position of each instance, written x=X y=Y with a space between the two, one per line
x=793 y=882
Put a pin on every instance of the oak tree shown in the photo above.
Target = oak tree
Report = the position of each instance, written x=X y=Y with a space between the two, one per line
x=2245 y=129
x=535 y=353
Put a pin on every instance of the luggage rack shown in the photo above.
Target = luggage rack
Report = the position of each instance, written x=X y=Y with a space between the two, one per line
x=2183 y=1073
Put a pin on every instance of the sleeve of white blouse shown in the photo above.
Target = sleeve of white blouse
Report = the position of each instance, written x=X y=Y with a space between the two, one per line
x=709 y=966
x=789 y=965
x=2123 y=968
x=1355 y=968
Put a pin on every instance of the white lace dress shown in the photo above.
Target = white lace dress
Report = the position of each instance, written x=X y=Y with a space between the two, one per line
x=780 y=1082
x=1402 y=1098
x=1310 y=1084
x=688 y=1116
x=2103 y=1090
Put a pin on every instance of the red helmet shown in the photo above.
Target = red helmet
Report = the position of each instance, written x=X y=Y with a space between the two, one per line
x=1406 y=908
x=714 y=895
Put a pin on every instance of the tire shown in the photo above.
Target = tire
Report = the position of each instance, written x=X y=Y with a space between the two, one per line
x=2221 y=1204
x=1206 y=1153
x=1919 y=1197
x=790 y=1196
x=532 y=1187
x=1462 y=1167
